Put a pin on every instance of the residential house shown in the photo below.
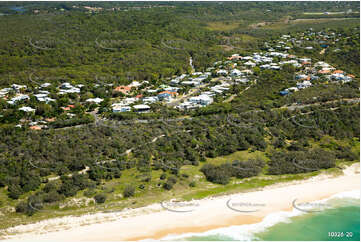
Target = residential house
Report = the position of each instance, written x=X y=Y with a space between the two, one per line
x=20 y=97
x=242 y=80
x=66 y=87
x=46 y=84
x=135 y=84
x=247 y=72
x=120 y=108
x=222 y=72
x=95 y=100
x=250 y=64
x=27 y=109
x=123 y=89
x=141 y=108
x=43 y=97
x=153 y=99
x=35 y=127
x=187 y=105
x=190 y=83
x=304 y=84
x=201 y=99
x=236 y=72
x=17 y=87
x=292 y=89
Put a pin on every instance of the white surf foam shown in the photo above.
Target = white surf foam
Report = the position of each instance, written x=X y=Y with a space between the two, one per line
x=247 y=232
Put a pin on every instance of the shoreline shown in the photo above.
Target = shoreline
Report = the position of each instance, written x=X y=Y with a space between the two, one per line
x=153 y=222
x=270 y=220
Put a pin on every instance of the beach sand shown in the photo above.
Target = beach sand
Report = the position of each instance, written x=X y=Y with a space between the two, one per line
x=155 y=222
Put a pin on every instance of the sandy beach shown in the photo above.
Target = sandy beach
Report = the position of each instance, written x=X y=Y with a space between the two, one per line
x=159 y=220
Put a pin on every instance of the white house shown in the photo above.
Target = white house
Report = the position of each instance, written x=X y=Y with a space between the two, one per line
x=141 y=108
x=17 y=87
x=95 y=100
x=250 y=63
x=27 y=109
x=293 y=89
x=187 y=105
x=46 y=84
x=120 y=109
x=135 y=84
x=43 y=97
x=152 y=99
x=242 y=80
x=304 y=84
x=190 y=83
x=18 y=98
x=236 y=72
x=222 y=72
x=5 y=91
x=201 y=99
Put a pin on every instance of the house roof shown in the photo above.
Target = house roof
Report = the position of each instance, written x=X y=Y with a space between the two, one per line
x=27 y=109
x=123 y=89
x=35 y=127
x=141 y=106
x=169 y=92
x=50 y=119
x=96 y=100
x=324 y=71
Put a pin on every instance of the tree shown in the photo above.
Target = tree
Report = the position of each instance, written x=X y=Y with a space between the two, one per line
x=128 y=191
x=14 y=191
x=100 y=198
x=216 y=174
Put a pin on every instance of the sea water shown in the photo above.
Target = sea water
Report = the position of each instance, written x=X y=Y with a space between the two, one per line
x=338 y=221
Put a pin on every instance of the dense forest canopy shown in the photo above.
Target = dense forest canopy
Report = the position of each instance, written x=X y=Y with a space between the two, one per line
x=130 y=44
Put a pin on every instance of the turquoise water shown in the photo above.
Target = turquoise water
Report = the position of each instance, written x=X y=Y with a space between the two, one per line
x=344 y=218
x=341 y=215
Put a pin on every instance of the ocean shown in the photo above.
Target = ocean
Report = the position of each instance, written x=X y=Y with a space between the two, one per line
x=338 y=220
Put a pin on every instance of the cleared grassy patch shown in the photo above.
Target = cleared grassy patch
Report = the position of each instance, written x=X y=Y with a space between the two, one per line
x=250 y=184
x=222 y=26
